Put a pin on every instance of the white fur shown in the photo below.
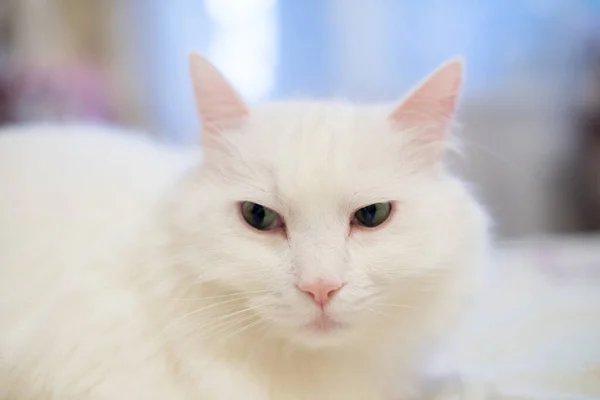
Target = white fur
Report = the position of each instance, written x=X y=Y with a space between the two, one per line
x=127 y=273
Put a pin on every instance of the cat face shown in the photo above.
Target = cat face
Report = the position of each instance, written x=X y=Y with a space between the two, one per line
x=328 y=221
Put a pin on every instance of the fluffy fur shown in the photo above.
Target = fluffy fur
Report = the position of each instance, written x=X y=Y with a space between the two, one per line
x=126 y=271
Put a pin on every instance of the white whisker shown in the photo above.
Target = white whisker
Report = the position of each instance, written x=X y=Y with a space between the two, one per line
x=230 y=295
x=197 y=311
x=395 y=305
x=376 y=312
x=243 y=329
x=220 y=327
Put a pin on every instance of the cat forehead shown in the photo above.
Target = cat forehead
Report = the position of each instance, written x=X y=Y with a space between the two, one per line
x=316 y=153
x=316 y=116
x=320 y=135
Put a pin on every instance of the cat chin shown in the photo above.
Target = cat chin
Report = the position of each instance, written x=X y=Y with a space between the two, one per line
x=315 y=340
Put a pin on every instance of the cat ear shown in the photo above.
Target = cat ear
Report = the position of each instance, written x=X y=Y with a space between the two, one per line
x=219 y=106
x=430 y=107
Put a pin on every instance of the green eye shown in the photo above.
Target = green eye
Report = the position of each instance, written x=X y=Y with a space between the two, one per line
x=372 y=215
x=260 y=217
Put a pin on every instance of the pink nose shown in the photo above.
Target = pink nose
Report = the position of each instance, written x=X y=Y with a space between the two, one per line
x=320 y=291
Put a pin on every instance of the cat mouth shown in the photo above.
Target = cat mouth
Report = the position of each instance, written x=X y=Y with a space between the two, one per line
x=325 y=324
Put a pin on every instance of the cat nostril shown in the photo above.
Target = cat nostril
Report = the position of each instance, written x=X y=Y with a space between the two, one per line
x=320 y=291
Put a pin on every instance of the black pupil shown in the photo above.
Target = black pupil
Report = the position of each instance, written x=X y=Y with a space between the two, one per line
x=258 y=213
x=368 y=214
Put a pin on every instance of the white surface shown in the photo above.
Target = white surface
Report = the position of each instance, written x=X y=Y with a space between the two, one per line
x=536 y=332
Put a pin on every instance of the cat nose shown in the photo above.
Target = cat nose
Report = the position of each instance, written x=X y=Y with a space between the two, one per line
x=320 y=291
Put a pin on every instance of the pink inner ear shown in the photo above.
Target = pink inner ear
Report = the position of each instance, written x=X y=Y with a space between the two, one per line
x=432 y=103
x=219 y=106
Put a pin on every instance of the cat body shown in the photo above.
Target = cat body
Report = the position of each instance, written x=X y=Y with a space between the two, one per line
x=127 y=270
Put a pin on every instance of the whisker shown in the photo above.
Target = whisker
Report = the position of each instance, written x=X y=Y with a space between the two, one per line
x=237 y=294
x=243 y=329
x=222 y=321
x=376 y=312
x=214 y=330
x=395 y=305
x=233 y=314
x=197 y=311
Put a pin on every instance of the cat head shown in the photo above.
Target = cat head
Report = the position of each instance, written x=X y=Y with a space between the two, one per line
x=321 y=222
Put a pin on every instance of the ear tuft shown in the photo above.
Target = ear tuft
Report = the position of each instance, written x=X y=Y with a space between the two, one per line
x=219 y=106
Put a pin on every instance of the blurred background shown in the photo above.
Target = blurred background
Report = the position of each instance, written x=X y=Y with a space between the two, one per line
x=530 y=110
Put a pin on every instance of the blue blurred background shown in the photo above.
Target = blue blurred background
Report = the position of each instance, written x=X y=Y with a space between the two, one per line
x=529 y=110
x=365 y=51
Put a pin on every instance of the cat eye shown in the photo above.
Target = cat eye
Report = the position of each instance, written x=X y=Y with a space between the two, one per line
x=372 y=215
x=260 y=217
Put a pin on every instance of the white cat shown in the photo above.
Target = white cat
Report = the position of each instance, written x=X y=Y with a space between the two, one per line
x=317 y=252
